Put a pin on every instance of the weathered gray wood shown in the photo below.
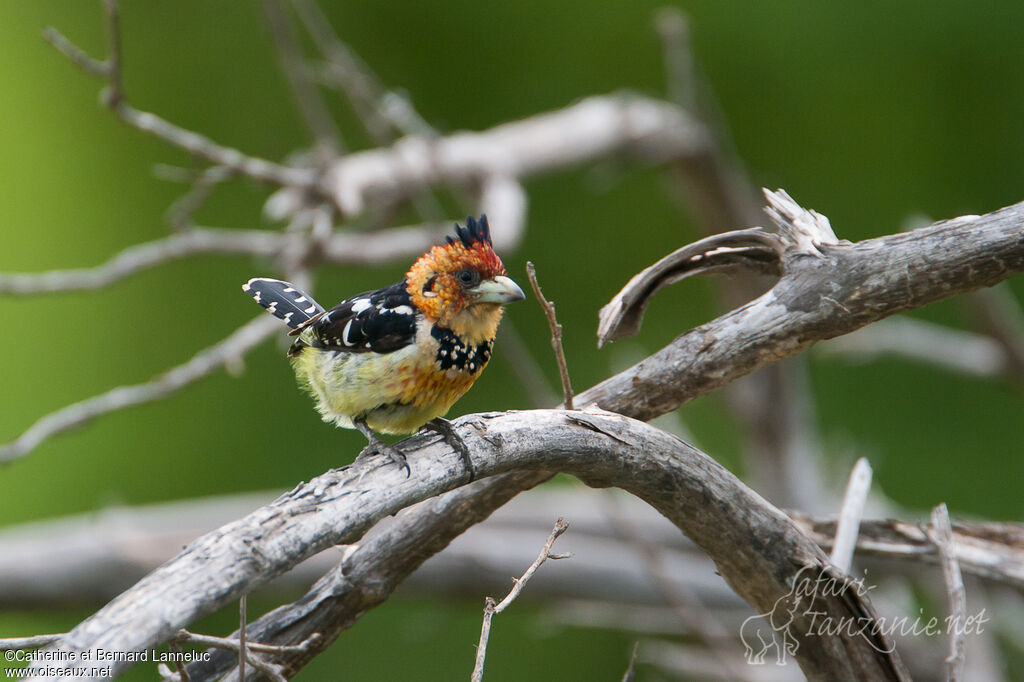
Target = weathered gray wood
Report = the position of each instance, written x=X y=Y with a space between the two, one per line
x=838 y=289
x=845 y=287
x=756 y=548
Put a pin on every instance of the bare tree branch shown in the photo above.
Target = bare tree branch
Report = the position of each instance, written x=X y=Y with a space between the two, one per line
x=221 y=354
x=311 y=105
x=630 y=674
x=941 y=534
x=909 y=338
x=188 y=140
x=999 y=314
x=492 y=608
x=556 y=335
x=828 y=291
x=782 y=322
x=989 y=550
x=601 y=448
x=35 y=642
x=381 y=111
x=848 y=526
x=596 y=127
x=116 y=547
x=369 y=571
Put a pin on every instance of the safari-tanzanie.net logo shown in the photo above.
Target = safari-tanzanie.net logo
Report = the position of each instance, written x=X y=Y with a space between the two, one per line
x=770 y=634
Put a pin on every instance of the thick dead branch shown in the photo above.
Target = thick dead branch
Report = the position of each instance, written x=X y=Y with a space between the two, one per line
x=824 y=292
x=596 y=127
x=752 y=249
x=370 y=571
x=755 y=547
x=116 y=547
x=908 y=338
x=988 y=249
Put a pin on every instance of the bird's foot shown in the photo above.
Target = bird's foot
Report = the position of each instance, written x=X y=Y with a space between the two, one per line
x=378 y=447
x=447 y=431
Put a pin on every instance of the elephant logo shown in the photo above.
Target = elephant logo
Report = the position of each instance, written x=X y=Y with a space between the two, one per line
x=769 y=632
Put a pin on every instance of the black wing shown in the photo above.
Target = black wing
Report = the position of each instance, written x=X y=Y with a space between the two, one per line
x=283 y=300
x=380 y=321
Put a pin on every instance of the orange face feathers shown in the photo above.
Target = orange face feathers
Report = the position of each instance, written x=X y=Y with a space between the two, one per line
x=442 y=281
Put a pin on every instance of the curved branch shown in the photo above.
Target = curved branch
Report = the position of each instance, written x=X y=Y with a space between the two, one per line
x=129 y=542
x=757 y=548
x=826 y=290
x=872 y=279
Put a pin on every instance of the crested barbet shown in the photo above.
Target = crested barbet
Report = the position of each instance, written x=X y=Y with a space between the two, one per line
x=395 y=359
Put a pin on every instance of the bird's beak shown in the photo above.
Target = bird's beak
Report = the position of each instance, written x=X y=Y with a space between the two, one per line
x=501 y=289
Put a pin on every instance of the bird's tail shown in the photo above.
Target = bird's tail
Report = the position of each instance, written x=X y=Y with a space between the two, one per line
x=282 y=300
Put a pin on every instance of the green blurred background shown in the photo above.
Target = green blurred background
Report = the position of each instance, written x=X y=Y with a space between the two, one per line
x=871 y=113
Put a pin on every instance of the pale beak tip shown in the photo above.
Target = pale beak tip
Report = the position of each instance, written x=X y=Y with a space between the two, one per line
x=500 y=290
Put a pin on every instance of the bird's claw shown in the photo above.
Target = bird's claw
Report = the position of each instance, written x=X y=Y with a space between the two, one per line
x=393 y=453
x=447 y=431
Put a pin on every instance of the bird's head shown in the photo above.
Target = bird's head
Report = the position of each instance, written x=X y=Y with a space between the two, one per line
x=462 y=283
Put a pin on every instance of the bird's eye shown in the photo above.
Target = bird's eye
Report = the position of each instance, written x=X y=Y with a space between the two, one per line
x=468 y=278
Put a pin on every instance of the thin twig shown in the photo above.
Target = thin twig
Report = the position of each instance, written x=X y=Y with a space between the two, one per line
x=556 y=334
x=243 y=653
x=230 y=644
x=630 y=674
x=941 y=534
x=221 y=354
x=380 y=109
x=180 y=213
x=490 y=608
x=174 y=644
x=188 y=140
x=115 y=91
x=341 y=248
x=34 y=642
x=247 y=651
x=850 y=514
x=385 y=115
x=75 y=54
x=680 y=76
x=311 y=105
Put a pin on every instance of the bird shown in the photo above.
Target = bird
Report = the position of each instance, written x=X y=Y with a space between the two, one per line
x=396 y=359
